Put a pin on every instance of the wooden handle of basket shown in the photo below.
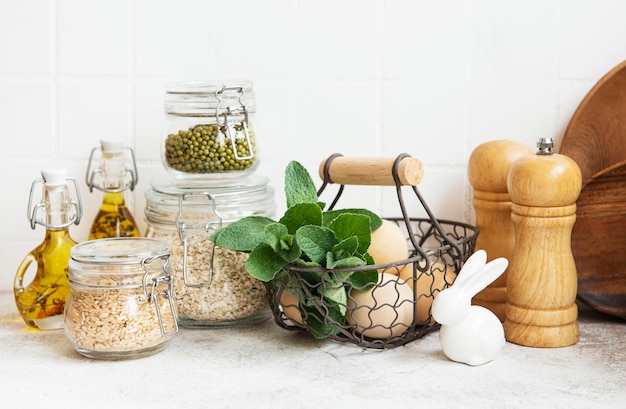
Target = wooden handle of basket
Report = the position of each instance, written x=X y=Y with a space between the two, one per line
x=372 y=171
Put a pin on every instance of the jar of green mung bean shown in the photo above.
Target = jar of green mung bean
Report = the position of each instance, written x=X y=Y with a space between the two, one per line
x=209 y=130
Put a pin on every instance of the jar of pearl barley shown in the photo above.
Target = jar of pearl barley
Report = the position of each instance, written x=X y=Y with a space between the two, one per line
x=211 y=284
x=121 y=302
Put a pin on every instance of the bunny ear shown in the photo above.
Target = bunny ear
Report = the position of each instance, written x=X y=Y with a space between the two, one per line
x=476 y=282
x=474 y=263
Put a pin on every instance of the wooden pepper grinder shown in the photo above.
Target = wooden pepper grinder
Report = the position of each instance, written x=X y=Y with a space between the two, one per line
x=488 y=169
x=541 y=307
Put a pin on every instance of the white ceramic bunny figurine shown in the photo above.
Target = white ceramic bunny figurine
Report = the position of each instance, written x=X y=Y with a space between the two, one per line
x=470 y=334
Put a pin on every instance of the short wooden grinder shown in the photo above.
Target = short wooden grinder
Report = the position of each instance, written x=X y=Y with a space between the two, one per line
x=541 y=308
x=488 y=169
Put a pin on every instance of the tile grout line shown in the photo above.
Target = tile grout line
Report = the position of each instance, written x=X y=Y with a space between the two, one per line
x=54 y=80
x=132 y=90
x=380 y=99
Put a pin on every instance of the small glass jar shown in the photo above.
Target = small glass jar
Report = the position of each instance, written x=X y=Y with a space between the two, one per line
x=212 y=286
x=121 y=302
x=209 y=132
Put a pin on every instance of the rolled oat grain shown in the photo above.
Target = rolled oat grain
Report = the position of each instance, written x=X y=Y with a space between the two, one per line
x=232 y=296
x=121 y=298
x=118 y=320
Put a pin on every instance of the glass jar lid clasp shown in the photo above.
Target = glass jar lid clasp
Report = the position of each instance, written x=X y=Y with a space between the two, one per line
x=96 y=177
x=235 y=130
x=206 y=227
x=154 y=293
x=32 y=210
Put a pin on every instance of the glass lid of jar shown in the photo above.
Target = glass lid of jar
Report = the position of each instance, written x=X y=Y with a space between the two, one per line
x=171 y=197
x=118 y=250
x=199 y=98
x=176 y=186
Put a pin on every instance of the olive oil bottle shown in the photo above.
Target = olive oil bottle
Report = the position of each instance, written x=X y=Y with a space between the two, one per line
x=41 y=303
x=113 y=177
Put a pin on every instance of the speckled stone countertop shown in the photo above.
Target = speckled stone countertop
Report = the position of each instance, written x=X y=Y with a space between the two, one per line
x=264 y=366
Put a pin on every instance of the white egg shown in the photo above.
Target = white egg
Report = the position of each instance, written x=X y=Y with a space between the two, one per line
x=384 y=311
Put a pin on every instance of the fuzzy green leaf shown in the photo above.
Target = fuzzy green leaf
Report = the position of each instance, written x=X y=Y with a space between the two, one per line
x=299 y=186
x=312 y=278
x=346 y=247
x=290 y=250
x=274 y=234
x=263 y=263
x=305 y=263
x=348 y=262
x=315 y=242
x=334 y=293
x=300 y=215
x=319 y=326
x=351 y=224
x=375 y=220
x=243 y=235
x=363 y=279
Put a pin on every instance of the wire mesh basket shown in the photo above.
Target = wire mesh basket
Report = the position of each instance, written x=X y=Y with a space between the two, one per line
x=396 y=309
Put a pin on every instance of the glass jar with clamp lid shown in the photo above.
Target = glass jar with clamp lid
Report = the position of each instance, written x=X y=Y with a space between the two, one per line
x=212 y=286
x=121 y=302
x=209 y=132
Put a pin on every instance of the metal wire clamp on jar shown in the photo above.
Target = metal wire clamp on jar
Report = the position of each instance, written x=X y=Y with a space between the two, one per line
x=41 y=303
x=121 y=302
x=112 y=169
x=211 y=284
x=209 y=133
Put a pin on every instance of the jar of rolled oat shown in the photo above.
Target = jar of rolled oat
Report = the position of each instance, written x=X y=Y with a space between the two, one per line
x=121 y=303
x=211 y=284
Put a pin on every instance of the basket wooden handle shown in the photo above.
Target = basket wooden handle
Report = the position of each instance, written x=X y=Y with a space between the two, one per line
x=372 y=171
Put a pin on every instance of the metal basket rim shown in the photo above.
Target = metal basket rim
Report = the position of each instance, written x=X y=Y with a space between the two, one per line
x=409 y=260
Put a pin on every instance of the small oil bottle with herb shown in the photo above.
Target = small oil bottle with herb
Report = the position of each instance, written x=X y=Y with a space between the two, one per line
x=113 y=176
x=41 y=303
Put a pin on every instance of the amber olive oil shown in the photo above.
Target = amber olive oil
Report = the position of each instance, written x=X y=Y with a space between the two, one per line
x=112 y=172
x=41 y=302
x=114 y=219
x=41 y=299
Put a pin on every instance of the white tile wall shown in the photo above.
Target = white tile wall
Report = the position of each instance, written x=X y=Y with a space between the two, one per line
x=361 y=77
